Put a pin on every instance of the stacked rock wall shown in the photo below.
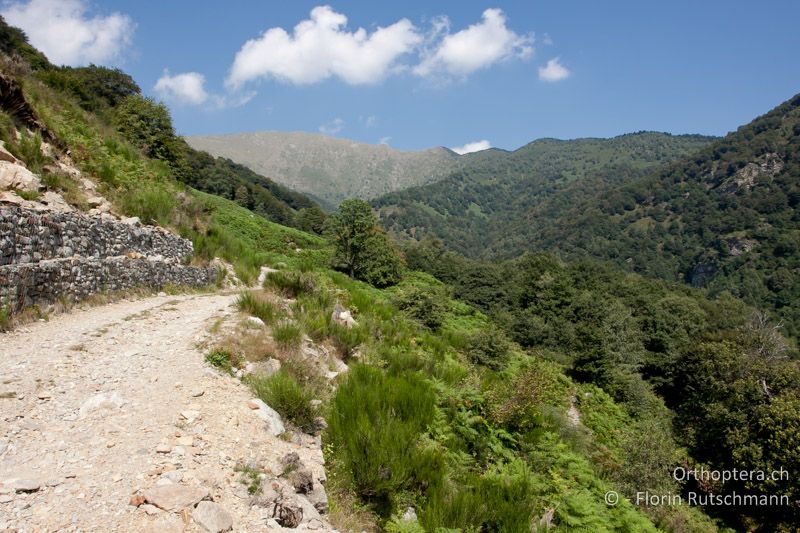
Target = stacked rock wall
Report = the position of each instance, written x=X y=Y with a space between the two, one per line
x=45 y=256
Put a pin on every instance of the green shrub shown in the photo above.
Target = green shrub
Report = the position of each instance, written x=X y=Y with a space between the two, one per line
x=377 y=424
x=287 y=334
x=502 y=499
x=250 y=303
x=291 y=284
x=347 y=339
x=152 y=203
x=425 y=305
x=489 y=347
x=28 y=148
x=290 y=399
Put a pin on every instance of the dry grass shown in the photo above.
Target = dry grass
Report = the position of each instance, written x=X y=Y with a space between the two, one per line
x=252 y=345
x=347 y=513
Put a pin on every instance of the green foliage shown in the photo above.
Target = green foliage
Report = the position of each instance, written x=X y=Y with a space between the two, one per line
x=291 y=284
x=221 y=358
x=14 y=42
x=376 y=423
x=250 y=477
x=289 y=398
x=254 y=305
x=151 y=203
x=739 y=409
x=287 y=334
x=147 y=125
x=27 y=148
x=381 y=264
x=499 y=500
x=311 y=219
x=252 y=191
x=95 y=88
x=362 y=250
x=489 y=348
x=496 y=203
x=426 y=305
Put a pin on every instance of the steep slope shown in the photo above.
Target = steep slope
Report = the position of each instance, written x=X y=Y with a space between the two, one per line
x=327 y=168
x=725 y=218
x=494 y=188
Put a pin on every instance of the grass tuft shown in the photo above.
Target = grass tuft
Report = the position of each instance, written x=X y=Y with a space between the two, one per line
x=253 y=304
x=288 y=397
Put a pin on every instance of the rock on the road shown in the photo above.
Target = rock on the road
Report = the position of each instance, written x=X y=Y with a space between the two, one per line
x=174 y=497
x=212 y=517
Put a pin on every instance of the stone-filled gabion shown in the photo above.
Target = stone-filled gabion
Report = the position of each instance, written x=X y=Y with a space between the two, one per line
x=47 y=255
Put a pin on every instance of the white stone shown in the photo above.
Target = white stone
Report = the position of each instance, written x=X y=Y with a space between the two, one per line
x=212 y=517
x=103 y=400
x=255 y=321
x=266 y=413
x=13 y=176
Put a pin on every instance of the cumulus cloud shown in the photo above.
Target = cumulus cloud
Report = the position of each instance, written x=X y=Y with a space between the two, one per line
x=468 y=148
x=186 y=88
x=553 y=71
x=66 y=32
x=385 y=140
x=476 y=47
x=322 y=47
x=333 y=127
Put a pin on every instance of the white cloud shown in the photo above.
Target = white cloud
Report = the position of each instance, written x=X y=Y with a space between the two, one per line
x=553 y=71
x=234 y=100
x=468 y=148
x=67 y=34
x=385 y=140
x=320 y=48
x=333 y=127
x=369 y=121
x=186 y=88
x=476 y=47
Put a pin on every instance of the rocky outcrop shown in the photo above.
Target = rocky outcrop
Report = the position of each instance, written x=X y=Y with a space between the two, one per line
x=14 y=176
x=45 y=256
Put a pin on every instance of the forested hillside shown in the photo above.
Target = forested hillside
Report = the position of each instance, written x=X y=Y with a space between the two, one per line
x=711 y=376
x=725 y=218
x=493 y=189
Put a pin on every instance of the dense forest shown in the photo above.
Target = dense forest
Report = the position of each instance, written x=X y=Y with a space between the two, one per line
x=724 y=217
x=494 y=188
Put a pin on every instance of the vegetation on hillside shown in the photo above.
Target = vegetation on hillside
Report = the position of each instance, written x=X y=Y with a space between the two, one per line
x=508 y=396
x=713 y=376
x=492 y=189
x=725 y=218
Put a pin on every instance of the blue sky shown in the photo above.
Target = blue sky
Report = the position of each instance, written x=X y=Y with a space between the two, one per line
x=443 y=73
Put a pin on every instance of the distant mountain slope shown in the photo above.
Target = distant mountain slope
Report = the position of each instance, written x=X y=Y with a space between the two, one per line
x=492 y=189
x=327 y=168
x=725 y=218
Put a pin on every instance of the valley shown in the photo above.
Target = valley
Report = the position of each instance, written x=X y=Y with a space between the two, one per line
x=278 y=331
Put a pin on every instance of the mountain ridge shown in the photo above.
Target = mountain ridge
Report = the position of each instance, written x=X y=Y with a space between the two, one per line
x=324 y=166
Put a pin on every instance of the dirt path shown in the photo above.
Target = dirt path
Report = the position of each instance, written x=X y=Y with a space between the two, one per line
x=102 y=404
